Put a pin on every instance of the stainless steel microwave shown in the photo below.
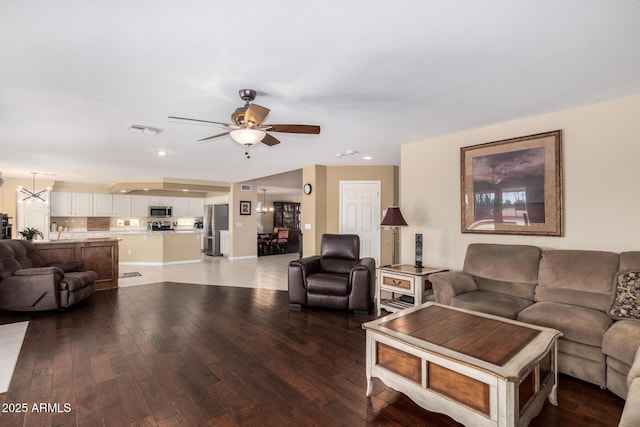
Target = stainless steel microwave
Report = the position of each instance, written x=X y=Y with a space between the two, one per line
x=160 y=211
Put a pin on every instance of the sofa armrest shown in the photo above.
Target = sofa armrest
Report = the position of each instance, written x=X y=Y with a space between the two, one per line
x=451 y=283
x=31 y=289
x=362 y=279
x=309 y=265
x=74 y=265
x=631 y=412
x=634 y=372
x=298 y=271
x=39 y=271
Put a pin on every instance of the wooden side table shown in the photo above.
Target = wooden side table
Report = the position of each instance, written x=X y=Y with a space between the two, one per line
x=406 y=283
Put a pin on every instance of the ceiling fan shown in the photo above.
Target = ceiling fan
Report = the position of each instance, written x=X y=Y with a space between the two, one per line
x=248 y=127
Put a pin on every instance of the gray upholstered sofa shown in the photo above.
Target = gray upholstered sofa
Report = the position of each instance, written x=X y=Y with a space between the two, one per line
x=27 y=283
x=568 y=290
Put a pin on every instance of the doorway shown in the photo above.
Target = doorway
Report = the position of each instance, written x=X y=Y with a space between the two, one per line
x=360 y=214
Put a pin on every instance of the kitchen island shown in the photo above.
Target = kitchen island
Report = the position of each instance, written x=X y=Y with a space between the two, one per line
x=98 y=254
x=160 y=247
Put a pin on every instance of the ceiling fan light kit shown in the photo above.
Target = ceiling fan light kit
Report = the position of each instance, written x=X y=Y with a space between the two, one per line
x=247 y=126
x=247 y=136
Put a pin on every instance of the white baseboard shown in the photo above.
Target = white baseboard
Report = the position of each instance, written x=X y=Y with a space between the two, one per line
x=189 y=261
x=235 y=258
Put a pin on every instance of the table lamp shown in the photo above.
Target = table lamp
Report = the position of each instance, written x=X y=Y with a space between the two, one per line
x=394 y=219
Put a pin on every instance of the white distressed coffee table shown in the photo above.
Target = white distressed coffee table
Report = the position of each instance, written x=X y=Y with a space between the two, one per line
x=479 y=369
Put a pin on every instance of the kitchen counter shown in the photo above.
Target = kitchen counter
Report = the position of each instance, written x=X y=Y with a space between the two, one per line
x=144 y=247
x=99 y=255
x=198 y=231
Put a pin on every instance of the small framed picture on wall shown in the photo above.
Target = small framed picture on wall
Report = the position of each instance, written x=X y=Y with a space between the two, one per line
x=245 y=208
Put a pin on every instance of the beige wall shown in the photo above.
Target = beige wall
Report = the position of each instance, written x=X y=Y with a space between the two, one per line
x=313 y=210
x=76 y=187
x=243 y=229
x=601 y=149
x=323 y=205
x=8 y=195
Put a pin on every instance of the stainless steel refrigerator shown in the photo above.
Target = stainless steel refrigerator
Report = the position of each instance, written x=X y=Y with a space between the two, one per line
x=216 y=218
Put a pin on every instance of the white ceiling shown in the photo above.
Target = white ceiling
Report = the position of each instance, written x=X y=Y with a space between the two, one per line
x=373 y=74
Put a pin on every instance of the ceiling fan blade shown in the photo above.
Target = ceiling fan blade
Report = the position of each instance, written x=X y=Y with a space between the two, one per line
x=270 y=140
x=255 y=114
x=214 y=136
x=202 y=121
x=310 y=129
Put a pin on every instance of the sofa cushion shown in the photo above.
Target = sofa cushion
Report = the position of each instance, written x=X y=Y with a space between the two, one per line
x=328 y=284
x=339 y=252
x=507 y=269
x=629 y=260
x=32 y=254
x=579 y=324
x=20 y=253
x=621 y=340
x=583 y=351
x=624 y=301
x=578 y=277
x=491 y=302
x=8 y=263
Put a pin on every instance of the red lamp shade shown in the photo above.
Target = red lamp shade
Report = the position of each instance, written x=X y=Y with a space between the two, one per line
x=393 y=218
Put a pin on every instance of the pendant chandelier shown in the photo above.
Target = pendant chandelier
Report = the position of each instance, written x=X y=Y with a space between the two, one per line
x=264 y=209
x=33 y=195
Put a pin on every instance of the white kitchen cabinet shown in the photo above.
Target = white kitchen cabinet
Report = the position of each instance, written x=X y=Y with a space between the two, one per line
x=82 y=204
x=139 y=206
x=102 y=204
x=71 y=204
x=60 y=204
x=111 y=205
x=159 y=200
x=196 y=206
x=180 y=206
x=187 y=206
x=121 y=205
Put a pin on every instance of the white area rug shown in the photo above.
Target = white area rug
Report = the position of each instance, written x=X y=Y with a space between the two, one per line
x=11 y=337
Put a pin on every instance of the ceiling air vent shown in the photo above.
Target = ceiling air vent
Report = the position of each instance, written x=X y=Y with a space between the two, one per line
x=246 y=187
x=144 y=129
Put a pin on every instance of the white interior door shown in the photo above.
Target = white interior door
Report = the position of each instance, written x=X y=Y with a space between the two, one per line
x=360 y=214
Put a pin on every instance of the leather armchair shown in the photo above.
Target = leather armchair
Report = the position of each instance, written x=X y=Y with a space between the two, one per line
x=27 y=283
x=335 y=279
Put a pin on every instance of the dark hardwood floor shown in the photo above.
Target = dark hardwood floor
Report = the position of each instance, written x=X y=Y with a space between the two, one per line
x=193 y=355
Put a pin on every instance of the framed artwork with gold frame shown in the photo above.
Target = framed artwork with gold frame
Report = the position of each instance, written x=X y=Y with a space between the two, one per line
x=513 y=186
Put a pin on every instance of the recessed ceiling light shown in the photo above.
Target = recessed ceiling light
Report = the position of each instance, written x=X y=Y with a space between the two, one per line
x=161 y=153
x=145 y=189
x=367 y=157
x=185 y=189
x=123 y=191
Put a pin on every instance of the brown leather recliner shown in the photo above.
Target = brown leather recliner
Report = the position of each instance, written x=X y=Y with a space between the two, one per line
x=27 y=283
x=336 y=279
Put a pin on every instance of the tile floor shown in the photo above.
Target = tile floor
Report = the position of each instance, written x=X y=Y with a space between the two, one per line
x=267 y=272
